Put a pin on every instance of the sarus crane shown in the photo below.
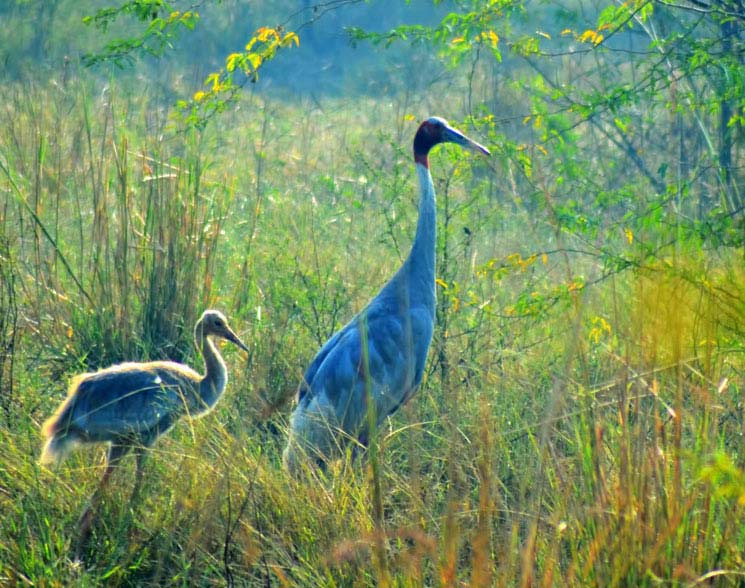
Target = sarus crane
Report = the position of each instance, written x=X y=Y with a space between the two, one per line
x=372 y=366
x=130 y=405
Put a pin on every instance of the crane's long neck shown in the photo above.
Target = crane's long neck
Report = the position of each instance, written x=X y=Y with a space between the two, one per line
x=420 y=265
x=216 y=375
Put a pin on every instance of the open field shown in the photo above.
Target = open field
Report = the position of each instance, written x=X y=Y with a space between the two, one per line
x=581 y=421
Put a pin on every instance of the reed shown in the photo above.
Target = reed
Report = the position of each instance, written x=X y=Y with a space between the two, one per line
x=579 y=423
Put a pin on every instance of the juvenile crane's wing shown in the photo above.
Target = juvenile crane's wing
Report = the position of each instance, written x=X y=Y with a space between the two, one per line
x=129 y=399
x=390 y=369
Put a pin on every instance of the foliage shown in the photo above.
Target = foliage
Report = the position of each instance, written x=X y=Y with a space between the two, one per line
x=163 y=27
x=224 y=86
x=580 y=422
x=8 y=323
x=694 y=69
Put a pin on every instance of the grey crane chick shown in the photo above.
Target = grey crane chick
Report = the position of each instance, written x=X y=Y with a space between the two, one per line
x=130 y=405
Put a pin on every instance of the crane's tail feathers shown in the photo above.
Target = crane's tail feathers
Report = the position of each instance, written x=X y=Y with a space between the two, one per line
x=56 y=448
x=313 y=437
x=51 y=426
x=59 y=440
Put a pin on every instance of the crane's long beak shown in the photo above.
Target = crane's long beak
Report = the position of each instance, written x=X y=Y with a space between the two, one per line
x=233 y=338
x=453 y=136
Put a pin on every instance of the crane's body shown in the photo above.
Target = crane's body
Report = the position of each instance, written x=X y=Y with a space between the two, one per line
x=130 y=405
x=150 y=398
x=377 y=360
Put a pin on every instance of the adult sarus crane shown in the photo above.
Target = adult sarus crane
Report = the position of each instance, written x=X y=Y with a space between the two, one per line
x=130 y=405
x=376 y=361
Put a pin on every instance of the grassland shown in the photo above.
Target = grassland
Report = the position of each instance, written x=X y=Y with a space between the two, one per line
x=581 y=421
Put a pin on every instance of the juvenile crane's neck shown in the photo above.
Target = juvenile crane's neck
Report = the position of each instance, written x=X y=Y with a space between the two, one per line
x=216 y=375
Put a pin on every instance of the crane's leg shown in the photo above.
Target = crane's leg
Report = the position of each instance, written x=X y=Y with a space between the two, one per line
x=360 y=445
x=140 y=455
x=85 y=523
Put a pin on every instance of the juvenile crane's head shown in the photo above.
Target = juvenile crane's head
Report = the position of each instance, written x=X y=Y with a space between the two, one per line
x=214 y=324
x=436 y=130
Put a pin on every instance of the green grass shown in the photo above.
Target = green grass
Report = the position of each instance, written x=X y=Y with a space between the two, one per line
x=564 y=435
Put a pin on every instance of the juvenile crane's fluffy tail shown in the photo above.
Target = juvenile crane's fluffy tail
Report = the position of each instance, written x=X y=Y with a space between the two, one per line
x=56 y=448
x=58 y=441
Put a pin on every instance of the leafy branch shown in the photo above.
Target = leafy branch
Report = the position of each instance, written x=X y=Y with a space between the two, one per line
x=224 y=86
x=457 y=33
x=165 y=25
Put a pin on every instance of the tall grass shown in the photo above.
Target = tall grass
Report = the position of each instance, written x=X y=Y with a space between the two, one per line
x=121 y=228
x=564 y=435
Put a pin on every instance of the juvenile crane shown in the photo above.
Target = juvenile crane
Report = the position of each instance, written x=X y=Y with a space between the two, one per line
x=130 y=405
x=380 y=354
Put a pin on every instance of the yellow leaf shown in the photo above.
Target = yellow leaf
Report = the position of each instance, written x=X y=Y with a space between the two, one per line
x=542 y=34
x=629 y=235
x=457 y=40
x=542 y=149
x=409 y=117
x=566 y=32
x=291 y=38
x=254 y=60
x=490 y=37
x=265 y=33
x=232 y=60
x=544 y=258
x=526 y=120
x=442 y=283
x=69 y=332
x=199 y=96
x=214 y=79
x=588 y=35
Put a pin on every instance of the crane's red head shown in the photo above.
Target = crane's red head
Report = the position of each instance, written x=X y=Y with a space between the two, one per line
x=436 y=130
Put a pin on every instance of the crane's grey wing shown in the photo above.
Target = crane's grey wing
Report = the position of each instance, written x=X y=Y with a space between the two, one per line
x=128 y=399
x=318 y=360
x=391 y=369
x=398 y=347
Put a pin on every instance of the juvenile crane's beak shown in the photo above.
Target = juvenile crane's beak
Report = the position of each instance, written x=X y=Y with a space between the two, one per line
x=233 y=338
x=452 y=136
